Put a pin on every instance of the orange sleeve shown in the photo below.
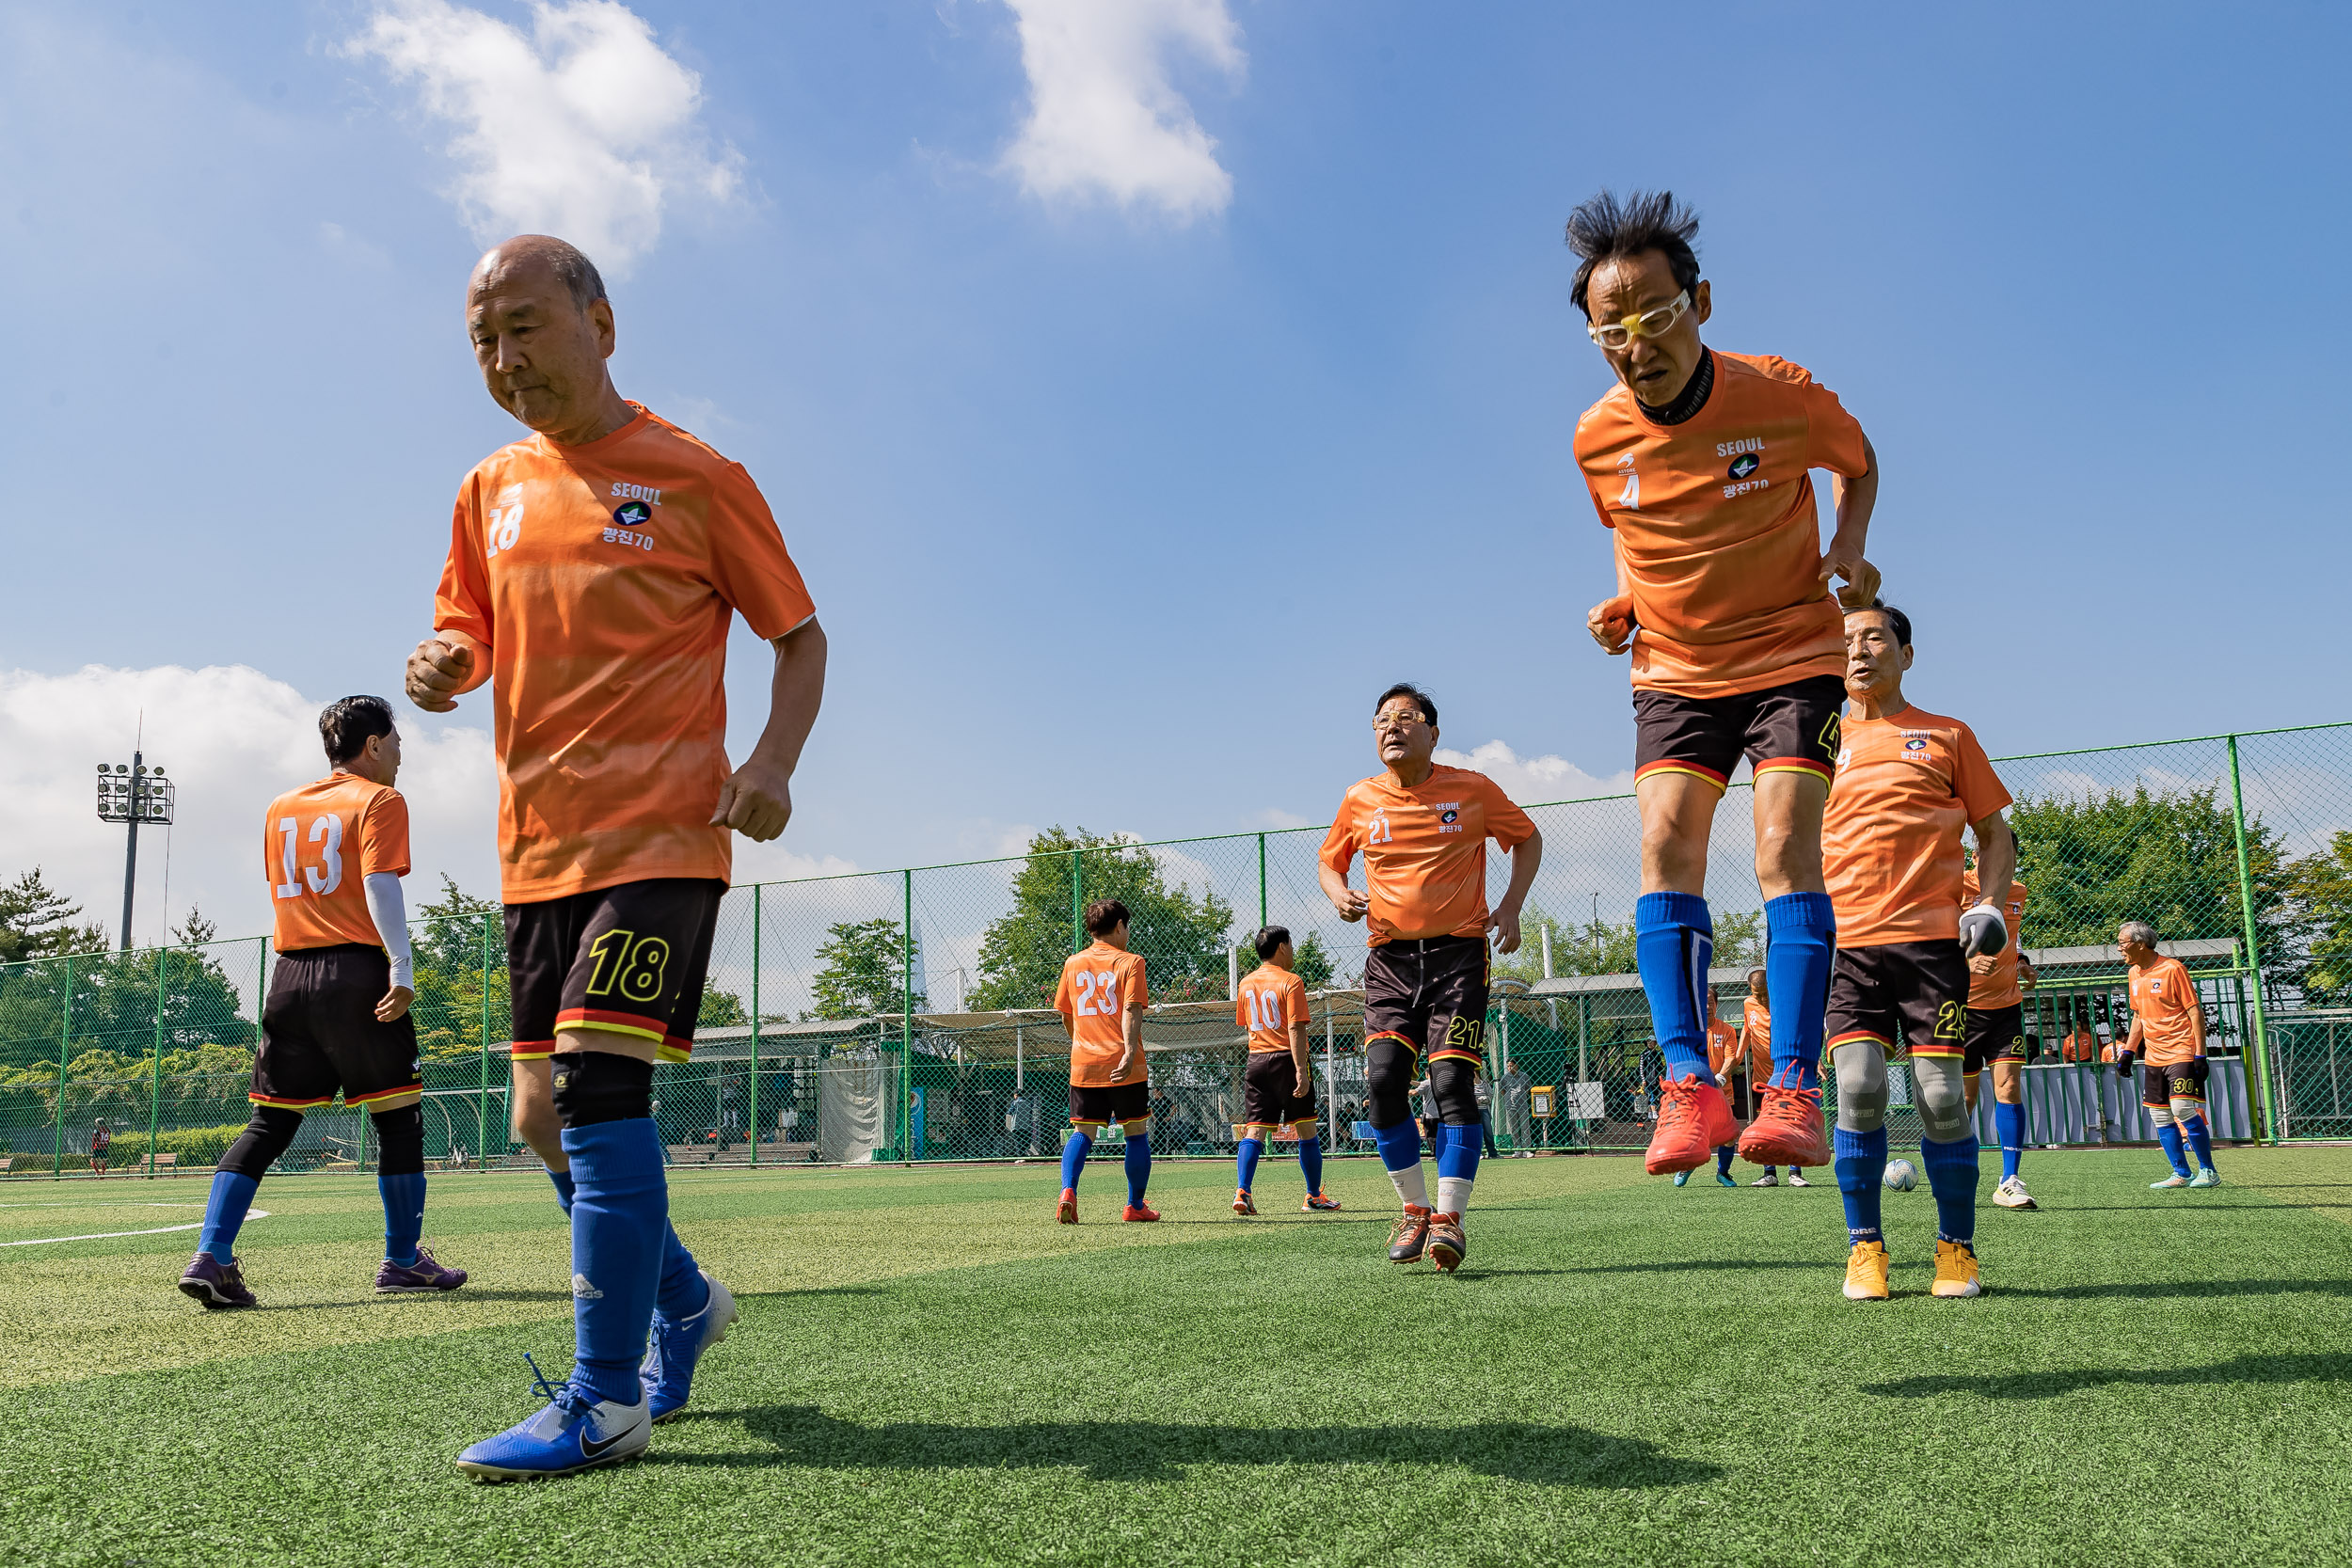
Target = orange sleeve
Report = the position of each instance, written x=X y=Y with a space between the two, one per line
x=1063 y=1002
x=383 y=835
x=1139 y=984
x=1506 y=823
x=1592 y=490
x=463 y=601
x=1295 y=1009
x=1980 y=790
x=749 y=565
x=1241 y=1006
x=1341 y=844
x=1832 y=438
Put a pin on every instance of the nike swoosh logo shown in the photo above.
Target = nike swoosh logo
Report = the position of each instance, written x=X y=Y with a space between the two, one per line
x=591 y=1449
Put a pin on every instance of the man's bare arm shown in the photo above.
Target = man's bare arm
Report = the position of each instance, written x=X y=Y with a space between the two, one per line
x=1856 y=498
x=444 y=667
x=1504 y=921
x=757 y=799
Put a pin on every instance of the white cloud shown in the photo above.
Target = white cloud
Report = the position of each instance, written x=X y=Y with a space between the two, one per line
x=583 y=128
x=1104 y=119
x=1531 y=781
x=228 y=738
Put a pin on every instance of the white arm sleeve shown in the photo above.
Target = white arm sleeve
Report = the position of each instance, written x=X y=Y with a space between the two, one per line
x=392 y=924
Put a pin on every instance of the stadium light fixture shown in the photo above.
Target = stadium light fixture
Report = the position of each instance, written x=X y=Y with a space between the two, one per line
x=132 y=793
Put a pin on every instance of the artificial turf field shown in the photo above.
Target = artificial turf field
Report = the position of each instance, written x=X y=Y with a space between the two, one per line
x=928 y=1371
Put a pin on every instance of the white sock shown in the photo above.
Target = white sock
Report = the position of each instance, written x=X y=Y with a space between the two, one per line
x=1453 y=1194
x=1409 y=1185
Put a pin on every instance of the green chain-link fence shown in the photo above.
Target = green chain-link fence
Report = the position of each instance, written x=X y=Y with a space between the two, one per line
x=905 y=1015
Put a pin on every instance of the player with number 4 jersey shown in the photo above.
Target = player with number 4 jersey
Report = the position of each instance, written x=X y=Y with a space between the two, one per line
x=336 y=1019
x=1277 y=1084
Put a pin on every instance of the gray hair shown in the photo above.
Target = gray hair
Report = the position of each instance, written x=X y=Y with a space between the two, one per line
x=2138 y=933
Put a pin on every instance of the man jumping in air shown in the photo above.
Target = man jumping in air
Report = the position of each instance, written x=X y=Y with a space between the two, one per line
x=1700 y=464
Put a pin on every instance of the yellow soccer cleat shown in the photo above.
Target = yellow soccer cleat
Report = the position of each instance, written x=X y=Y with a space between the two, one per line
x=1866 y=1272
x=1956 y=1270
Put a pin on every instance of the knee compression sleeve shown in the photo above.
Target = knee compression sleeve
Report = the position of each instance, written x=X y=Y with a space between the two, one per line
x=1942 y=1101
x=1861 y=1086
x=264 y=1138
x=399 y=1140
x=1388 y=1076
x=593 y=1087
x=1455 y=1085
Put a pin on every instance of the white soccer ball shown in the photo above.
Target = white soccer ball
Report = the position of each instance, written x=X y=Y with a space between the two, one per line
x=1902 y=1175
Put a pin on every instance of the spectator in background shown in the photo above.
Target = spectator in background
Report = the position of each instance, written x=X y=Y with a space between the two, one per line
x=2079 y=1044
x=101 y=1142
x=1485 y=1091
x=1756 y=1047
x=1723 y=1059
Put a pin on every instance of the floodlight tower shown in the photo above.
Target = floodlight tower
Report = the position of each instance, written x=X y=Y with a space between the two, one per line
x=133 y=792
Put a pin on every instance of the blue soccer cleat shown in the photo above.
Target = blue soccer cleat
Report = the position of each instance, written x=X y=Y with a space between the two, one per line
x=576 y=1431
x=1682 y=1178
x=1724 y=1179
x=675 y=1349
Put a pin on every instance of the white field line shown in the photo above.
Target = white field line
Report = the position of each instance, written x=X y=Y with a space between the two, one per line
x=109 y=1235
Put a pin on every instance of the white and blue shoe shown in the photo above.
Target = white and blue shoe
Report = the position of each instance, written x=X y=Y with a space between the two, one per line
x=576 y=1431
x=676 y=1348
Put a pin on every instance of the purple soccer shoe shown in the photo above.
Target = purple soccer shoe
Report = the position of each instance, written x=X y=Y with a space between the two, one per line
x=417 y=1278
x=218 y=1285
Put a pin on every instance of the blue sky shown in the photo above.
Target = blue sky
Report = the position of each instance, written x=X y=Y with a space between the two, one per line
x=1119 y=510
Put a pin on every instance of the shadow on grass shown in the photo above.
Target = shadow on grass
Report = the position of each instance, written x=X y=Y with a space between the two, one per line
x=2332 y=1367
x=461 y=1295
x=1705 y=1265
x=2188 y=1288
x=802 y=1435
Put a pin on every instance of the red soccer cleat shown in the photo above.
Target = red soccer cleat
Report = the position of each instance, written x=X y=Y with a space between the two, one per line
x=1138 y=1212
x=1066 y=1213
x=1786 y=1130
x=1694 y=1121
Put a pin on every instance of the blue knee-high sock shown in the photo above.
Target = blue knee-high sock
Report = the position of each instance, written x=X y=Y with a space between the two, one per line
x=403 y=1214
x=2169 y=1135
x=562 y=1179
x=2010 y=1122
x=1311 y=1163
x=1673 y=942
x=1138 y=1167
x=683 y=1291
x=1860 y=1159
x=1723 y=1159
x=1246 y=1162
x=1801 y=938
x=1074 y=1156
x=224 y=1212
x=620 y=1210
x=1952 y=1178
x=2199 y=1139
x=1399 y=1146
x=1458 y=1149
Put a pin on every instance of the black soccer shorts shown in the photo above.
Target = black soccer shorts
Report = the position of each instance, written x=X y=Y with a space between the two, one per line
x=1271 y=1094
x=1430 y=993
x=1901 y=993
x=1993 y=1035
x=630 y=957
x=1097 y=1105
x=2161 y=1085
x=320 y=1031
x=1790 y=728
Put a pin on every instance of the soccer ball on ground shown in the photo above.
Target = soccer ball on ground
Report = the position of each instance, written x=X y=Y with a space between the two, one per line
x=1901 y=1175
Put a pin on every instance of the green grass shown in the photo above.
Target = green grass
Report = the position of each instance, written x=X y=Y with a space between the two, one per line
x=928 y=1372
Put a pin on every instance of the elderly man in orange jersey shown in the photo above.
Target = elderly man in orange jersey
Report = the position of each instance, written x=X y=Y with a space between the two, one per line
x=593 y=570
x=2168 y=1035
x=1699 y=463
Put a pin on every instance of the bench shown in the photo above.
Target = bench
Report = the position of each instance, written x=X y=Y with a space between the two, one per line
x=690 y=1154
x=6 y=1161
x=785 y=1152
x=168 y=1163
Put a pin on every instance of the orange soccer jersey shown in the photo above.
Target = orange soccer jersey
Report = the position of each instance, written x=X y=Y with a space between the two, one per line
x=602 y=580
x=317 y=843
x=1906 y=788
x=1425 y=849
x=1755 y=1036
x=1998 y=989
x=1271 y=1000
x=1722 y=1047
x=2163 y=1004
x=1099 y=988
x=1716 y=528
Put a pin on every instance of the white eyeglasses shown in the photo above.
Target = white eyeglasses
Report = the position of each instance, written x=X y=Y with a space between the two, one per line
x=1649 y=324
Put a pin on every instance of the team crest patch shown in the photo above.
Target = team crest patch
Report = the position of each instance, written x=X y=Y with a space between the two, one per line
x=1744 y=465
x=1448 y=816
x=632 y=515
x=1915 y=743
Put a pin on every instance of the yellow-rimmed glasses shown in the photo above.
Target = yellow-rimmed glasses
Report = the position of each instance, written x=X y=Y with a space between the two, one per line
x=1649 y=324
x=1398 y=720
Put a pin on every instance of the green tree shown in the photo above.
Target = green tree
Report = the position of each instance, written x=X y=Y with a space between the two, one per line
x=1309 y=957
x=2321 y=886
x=1182 y=936
x=2168 y=857
x=861 y=972
x=39 y=921
x=454 y=939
